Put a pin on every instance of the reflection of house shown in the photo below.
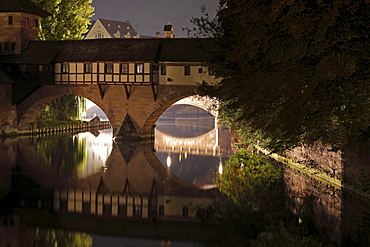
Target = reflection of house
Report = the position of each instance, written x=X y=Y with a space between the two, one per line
x=128 y=205
x=105 y=29
x=14 y=233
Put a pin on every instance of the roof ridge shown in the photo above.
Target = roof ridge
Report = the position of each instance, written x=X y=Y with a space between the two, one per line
x=110 y=20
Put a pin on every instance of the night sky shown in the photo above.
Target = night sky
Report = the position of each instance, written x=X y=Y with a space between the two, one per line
x=150 y=16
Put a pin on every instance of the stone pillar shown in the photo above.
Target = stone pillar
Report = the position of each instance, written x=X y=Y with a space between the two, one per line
x=8 y=113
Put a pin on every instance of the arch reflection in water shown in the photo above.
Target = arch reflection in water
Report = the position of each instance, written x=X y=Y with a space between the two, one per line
x=79 y=155
x=190 y=144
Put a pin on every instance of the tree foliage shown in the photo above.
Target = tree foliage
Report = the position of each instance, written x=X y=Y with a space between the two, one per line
x=295 y=71
x=64 y=109
x=69 y=19
x=249 y=180
x=204 y=26
x=66 y=154
x=54 y=238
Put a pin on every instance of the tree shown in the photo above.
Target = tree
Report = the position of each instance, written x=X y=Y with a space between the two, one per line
x=204 y=26
x=251 y=181
x=54 y=238
x=64 y=109
x=295 y=71
x=69 y=19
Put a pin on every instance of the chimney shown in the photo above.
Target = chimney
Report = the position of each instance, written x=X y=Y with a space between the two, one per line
x=158 y=35
x=168 y=31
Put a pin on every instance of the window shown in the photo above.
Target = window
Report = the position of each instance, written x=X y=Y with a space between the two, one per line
x=186 y=70
x=107 y=209
x=1 y=46
x=63 y=204
x=137 y=210
x=210 y=72
x=27 y=21
x=65 y=68
x=86 y=207
x=122 y=210
x=161 y=210
x=13 y=45
x=41 y=68
x=163 y=70
x=185 y=211
x=200 y=70
x=139 y=68
x=99 y=36
x=109 y=68
x=36 y=22
x=6 y=46
x=124 y=68
x=88 y=67
x=10 y=20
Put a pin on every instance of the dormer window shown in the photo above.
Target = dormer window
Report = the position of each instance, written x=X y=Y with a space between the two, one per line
x=117 y=34
x=108 y=25
x=128 y=27
x=118 y=26
x=99 y=36
x=10 y=20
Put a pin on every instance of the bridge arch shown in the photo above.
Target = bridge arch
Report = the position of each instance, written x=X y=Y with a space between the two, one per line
x=164 y=102
x=143 y=108
x=27 y=111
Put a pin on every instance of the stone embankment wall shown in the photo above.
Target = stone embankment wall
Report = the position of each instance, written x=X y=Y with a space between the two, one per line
x=314 y=202
x=356 y=167
x=351 y=166
x=319 y=156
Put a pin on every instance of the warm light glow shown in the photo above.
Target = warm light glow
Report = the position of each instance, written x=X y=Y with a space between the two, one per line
x=89 y=104
x=98 y=150
x=168 y=161
x=220 y=169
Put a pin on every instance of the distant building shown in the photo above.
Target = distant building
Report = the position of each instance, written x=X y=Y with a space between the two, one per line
x=19 y=23
x=168 y=31
x=108 y=29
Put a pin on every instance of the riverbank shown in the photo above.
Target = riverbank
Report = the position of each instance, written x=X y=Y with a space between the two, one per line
x=68 y=128
x=314 y=173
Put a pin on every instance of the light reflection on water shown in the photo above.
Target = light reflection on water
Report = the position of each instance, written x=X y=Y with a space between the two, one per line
x=98 y=150
x=192 y=150
x=79 y=155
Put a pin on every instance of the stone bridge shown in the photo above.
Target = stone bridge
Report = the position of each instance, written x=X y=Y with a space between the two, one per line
x=129 y=79
x=141 y=107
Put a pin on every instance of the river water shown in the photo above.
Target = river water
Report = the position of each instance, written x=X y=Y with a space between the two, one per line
x=93 y=188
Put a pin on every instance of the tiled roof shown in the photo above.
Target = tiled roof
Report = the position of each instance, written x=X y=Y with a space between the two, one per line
x=121 y=26
x=187 y=50
x=115 y=50
x=25 y=6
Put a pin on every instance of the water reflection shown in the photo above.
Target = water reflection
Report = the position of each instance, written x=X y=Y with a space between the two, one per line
x=122 y=194
x=191 y=145
x=79 y=155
